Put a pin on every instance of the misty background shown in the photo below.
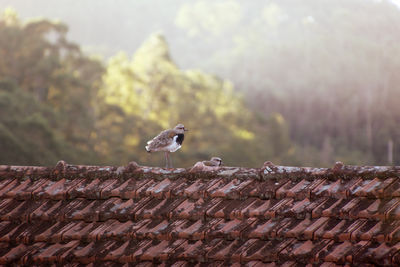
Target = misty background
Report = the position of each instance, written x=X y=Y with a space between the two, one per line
x=294 y=82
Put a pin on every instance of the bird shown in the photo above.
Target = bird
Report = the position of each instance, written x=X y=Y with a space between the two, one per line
x=207 y=165
x=213 y=162
x=168 y=141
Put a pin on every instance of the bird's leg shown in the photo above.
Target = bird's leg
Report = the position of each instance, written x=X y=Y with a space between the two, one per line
x=170 y=160
x=166 y=159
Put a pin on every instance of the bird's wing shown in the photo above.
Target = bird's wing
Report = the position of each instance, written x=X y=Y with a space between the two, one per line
x=209 y=163
x=161 y=140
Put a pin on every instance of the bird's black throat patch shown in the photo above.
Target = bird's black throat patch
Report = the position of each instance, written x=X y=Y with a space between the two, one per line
x=180 y=138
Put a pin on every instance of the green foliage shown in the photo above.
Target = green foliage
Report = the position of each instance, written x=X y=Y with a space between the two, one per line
x=30 y=131
x=58 y=104
x=313 y=85
x=151 y=93
x=328 y=67
x=47 y=90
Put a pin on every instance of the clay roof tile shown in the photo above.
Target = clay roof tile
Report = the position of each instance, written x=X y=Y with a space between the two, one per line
x=271 y=216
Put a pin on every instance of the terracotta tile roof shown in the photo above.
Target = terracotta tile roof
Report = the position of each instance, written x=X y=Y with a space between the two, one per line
x=271 y=216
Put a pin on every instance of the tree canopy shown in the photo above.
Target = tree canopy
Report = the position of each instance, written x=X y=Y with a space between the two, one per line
x=305 y=88
x=58 y=103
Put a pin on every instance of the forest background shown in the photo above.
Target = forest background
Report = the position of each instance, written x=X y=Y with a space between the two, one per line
x=294 y=82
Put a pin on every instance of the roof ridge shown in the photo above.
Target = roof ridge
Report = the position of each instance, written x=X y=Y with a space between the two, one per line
x=134 y=170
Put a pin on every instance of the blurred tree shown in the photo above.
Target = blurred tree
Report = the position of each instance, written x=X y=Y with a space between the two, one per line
x=327 y=67
x=315 y=82
x=155 y=94
x=204 y=17
x=30 y=132
x=53 y=74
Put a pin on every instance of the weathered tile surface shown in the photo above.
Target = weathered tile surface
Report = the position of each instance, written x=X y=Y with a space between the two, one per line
x=273 y=216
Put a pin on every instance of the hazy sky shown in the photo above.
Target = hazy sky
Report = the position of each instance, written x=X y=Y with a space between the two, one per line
x=396 y=2
x=106 y=26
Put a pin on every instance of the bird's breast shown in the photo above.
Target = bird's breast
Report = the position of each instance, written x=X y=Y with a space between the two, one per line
x=180 y=138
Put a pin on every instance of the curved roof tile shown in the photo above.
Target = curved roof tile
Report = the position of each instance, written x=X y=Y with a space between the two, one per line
x=274 y=215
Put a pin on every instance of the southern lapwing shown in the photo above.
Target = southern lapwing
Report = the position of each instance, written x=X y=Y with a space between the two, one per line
x=213 y=162
x=207 y=165
x=168 y=141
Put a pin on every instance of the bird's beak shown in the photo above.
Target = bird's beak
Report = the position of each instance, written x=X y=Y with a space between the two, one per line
x=185 y=130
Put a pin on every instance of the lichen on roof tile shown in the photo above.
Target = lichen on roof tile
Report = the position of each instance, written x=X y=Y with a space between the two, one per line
x=273 y=215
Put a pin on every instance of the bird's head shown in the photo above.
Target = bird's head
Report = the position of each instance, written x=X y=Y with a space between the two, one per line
x=180 y=129
x=217 y=160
